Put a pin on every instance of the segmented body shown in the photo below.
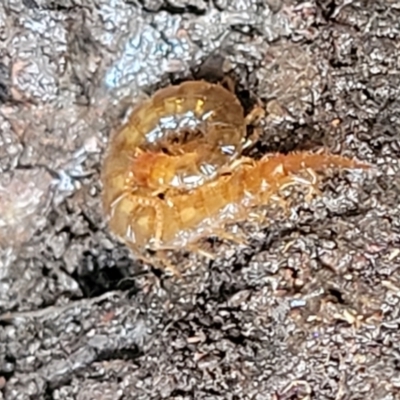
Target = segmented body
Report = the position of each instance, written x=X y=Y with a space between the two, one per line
x=163 y=186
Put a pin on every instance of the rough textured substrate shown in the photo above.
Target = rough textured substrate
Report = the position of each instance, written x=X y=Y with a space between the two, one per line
x=309 y=310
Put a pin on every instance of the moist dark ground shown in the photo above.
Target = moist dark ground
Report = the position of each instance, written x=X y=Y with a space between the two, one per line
x=309 y=310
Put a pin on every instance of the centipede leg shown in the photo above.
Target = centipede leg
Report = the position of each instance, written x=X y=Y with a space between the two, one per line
x=191 y=247
x=167 y=265
x=237 y=239
x=254 y=118
x=313 y=190
x=202 y=252
x=160 y=258
x=253 y=138
x=273 y=195
x=293 y=180
x=229 y=83
x=237 y=163
x=283 y=182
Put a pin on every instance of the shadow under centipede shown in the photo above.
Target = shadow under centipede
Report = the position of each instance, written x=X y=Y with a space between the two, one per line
x=102 y=270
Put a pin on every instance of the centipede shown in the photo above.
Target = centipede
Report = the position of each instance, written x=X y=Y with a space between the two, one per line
x=174 y=173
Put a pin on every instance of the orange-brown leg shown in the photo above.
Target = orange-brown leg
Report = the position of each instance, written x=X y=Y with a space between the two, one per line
x=272 y=196
x=254 y=118
x=237 y=239
x=285 y=181
x=293 y=180
x=254 y=137
x=229 y=82
x=202 y=252
x=190 y=247
x=313 y=189
x=158 y=260
x=237 y=163
x=167 y=265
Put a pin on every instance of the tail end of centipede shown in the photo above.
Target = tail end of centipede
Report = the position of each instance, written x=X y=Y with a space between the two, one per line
x=317 y=161
x=323 y=159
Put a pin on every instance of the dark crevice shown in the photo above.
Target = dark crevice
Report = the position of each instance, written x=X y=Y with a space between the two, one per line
x=170 y=8
x=337 y=295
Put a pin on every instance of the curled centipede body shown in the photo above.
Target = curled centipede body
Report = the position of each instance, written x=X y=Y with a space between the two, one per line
x=174 y=172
